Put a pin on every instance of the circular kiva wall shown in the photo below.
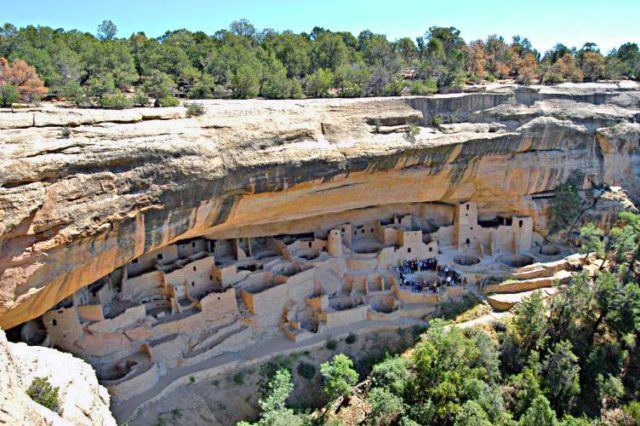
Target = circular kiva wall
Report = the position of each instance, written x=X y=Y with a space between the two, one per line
x=466 y=260
x=516 y=260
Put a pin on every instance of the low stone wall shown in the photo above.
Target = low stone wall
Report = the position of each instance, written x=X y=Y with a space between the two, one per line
x=382 y=316
x=347 y=316
x=408 y=297
x=132 y=387
x=129 y=316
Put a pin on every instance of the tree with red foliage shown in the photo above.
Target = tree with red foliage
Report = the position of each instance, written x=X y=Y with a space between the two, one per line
x=23 y=77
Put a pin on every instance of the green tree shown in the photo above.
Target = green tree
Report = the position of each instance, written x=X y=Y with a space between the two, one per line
x=243 y=28
x=561 y=374
x=245 y=82
x=107 y=30
x=339 y=376
x=74 y=93
x=472 y=414
x=539 y=414
x=329 y=52
x=8 y=95
x=319 y=83
x=392 y=374
x=385 y=406
x=565 y=207
x=158 y=85
x=273 y=405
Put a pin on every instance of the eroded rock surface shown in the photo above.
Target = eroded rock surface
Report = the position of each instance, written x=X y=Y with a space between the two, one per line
x=83 y=401
x=126 y=183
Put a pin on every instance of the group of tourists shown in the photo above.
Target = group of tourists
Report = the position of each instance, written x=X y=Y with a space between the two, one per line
x=447 y=276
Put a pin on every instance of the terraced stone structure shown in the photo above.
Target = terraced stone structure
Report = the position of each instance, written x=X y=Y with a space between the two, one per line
x=149 y=243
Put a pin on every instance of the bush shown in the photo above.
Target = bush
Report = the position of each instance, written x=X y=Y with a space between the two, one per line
x=117 y=101
x=427 y=87
x=319 y=83
x=238 y=378
x=8 y=95
x=65 y=133
x=351 y=339
x=332 y=345
x=306 y=370
x=436 y=121
x=168 y=101
x=394 y=87
x=195 y=110
x=44 y=394
x=140 y=98
x=74 y=93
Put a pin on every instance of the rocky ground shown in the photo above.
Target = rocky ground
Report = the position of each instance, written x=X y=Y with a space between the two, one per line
x=83 y=401
x=232 y=396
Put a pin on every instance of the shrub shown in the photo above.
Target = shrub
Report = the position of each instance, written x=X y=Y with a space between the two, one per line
x=351 y=339
x=140 y=98
x=8 y=95
x=168 y=101
x=44 y=394
x=192 y=379
x=238 y=378
x=412 y=131
x=195 y=109
x=65 y=133
x=306 y=370
x=319 y=83
x=332 y=344
x=117 y=101
x=74 y=93
x=436 y=121
x=426 y=87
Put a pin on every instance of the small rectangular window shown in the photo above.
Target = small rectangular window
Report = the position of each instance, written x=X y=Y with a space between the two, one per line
x=194 y=268
x=160 y=256
x=54 y=322
x=521 y=223
x=408 y=249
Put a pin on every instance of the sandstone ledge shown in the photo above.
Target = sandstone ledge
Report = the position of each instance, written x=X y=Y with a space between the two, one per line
x=125 y=183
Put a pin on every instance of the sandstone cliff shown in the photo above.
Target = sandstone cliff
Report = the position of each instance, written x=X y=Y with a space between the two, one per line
x=127 y=182
x=83 y=401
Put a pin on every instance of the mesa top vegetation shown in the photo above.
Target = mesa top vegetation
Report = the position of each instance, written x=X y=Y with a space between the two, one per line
x=245 y=63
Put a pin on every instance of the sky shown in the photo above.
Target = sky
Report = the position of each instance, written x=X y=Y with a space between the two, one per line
x=608 y=23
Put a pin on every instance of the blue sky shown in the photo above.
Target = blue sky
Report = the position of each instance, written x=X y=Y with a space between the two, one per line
x=545 y=22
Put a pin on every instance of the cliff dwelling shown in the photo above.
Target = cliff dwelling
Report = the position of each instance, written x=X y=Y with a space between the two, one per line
x=201 y=297
x=164 y=246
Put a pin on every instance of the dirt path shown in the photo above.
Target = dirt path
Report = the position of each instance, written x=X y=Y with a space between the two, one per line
x=260 y=350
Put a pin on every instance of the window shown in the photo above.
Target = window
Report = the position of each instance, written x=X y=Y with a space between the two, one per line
x=363 y=231
x=521 y=223
x=467 y=207
x=193 y=244
x=310 y=244
x=193 y=284
x=134 y=261
x=468 y=241
x=160 y=256
x=54 y=322
x=408 y=249
x=430 y=249
x=194 y=269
